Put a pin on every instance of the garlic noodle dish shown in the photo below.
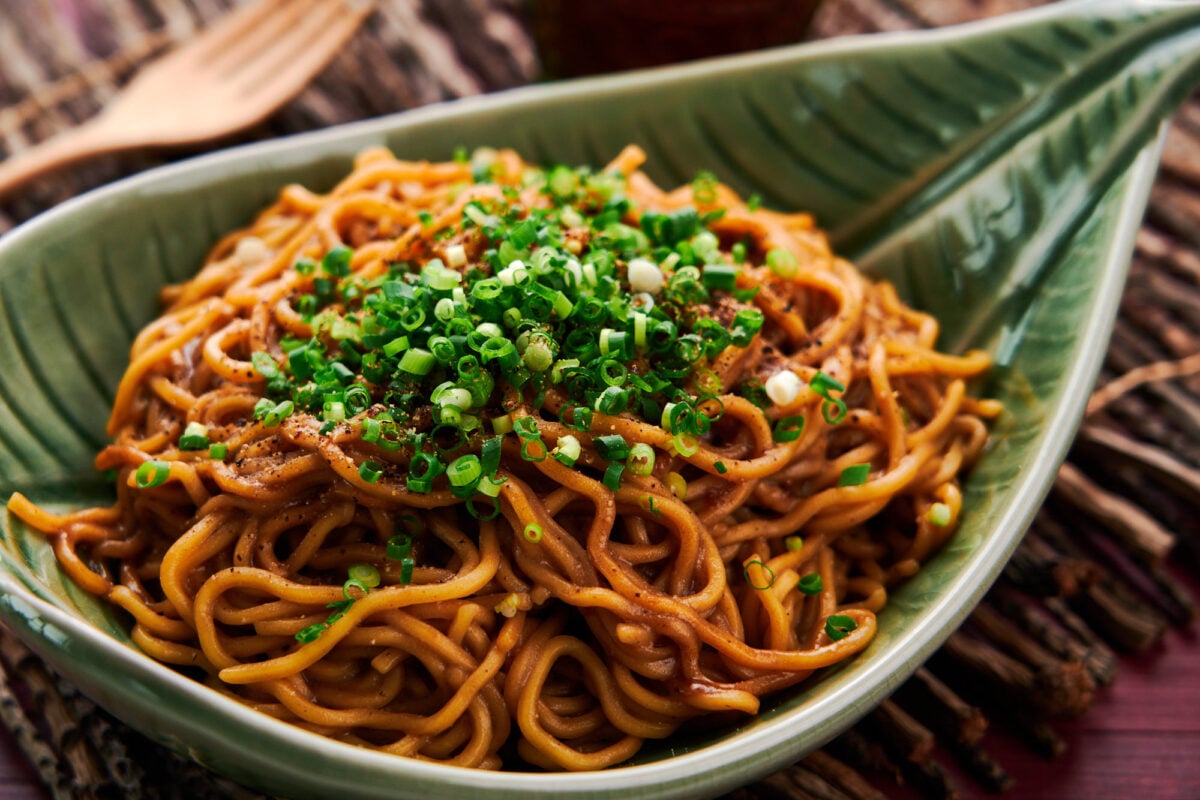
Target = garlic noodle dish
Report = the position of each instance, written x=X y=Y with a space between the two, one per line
x=502 y=466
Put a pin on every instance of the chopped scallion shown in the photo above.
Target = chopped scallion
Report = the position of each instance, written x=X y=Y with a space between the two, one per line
x=760 y=584
x=839 y=626
x=151 y=474
x=811 y=583
x=938 y=514
x=612 y=475
x=195 y=436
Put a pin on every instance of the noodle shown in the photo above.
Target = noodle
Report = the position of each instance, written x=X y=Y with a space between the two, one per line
x=358 y=489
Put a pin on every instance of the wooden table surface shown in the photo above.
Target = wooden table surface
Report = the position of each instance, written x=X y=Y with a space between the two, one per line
x=59 y=60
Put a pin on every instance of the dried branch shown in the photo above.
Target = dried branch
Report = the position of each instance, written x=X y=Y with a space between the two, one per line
x=937 y=705
x=1104 y=443
x=842 y=776
x=1134 y=527
x=1097 y=657
x=1061 y=688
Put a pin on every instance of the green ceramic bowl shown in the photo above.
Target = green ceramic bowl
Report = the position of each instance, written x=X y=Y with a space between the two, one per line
x=996 y=172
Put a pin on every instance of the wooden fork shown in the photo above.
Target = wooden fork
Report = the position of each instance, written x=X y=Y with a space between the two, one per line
x=228 y=78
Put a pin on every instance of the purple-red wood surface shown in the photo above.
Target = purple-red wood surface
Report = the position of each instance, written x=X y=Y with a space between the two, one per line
x=1140 y=740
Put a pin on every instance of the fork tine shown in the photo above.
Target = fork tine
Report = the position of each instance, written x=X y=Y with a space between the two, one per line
x=237 y=52
x=293 y=59
x=216 y=37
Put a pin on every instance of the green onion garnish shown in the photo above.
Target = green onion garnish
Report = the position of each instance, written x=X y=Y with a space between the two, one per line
x=938 y=514
x=612 y=400
x=854 y=475
x=527 y=428
x=720 y=467
x=421 y=471
x=278 y=413
x=337 y=261
x=366 y=574
x=612 y=447
x=462 y=340
x=218 y=451
x=533 y=532
x=492 y=505
x=265 y=365
x=370 y=471
x=822 y=384
x=533 y=450
x=151 y=474
x=720 y=276
x=417 y=361
x=612 y=475
x=788 y=429
x=794 y=543
x=704 y=187
x=406 y=570
x=838 y=626
x=311 y=633
x=464 y=471
x=399 y=546
x=356 y=583
x=783 y=263
x=581 y=419
x=195 y=437
x=811 y=583
x=490 y=486
x=770 y=575
x=746 y=323
x=685 y=445
x=641 y=459
x=568 y=450
x=489 y=455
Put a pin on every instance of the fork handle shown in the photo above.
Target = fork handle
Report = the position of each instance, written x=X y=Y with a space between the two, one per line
x=68 y=147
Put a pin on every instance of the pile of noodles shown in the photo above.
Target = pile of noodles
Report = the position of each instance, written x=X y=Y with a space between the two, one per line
x=635 y=611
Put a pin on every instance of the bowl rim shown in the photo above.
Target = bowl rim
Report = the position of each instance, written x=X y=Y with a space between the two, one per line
x=740 y=755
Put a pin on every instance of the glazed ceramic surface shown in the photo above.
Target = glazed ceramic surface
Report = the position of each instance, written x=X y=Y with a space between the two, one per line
x=997 y=173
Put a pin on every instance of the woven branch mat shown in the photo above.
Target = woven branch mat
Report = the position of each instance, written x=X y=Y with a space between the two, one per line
x=1083 y=587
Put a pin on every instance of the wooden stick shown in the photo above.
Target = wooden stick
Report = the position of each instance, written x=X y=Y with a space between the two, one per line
x=1061 y=688
x=1139 y=416
x=842 y=776
x=796 y=783
x=864 y=755
x=1150 y=580
x=903 y=737
x=1129 y=355
x=1134 y=527
x=1097 y=657
x=982 y=767
x=1103 y=443
x=1173 y=257
x=81 y=770
x=1105 y=601
x=930 y=780
x=937 y=705
x=43 y=758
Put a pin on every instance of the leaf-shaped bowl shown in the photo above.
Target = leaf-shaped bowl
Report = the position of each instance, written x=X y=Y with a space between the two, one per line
x=995 y=172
